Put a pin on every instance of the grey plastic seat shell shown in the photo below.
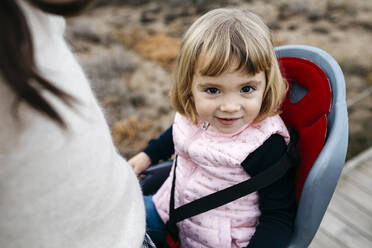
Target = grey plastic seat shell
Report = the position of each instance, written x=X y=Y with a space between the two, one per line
x=322 y=179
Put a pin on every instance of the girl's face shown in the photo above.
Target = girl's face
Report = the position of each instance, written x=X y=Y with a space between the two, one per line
x=229 y=101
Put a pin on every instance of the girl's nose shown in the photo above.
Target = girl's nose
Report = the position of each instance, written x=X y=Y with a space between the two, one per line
x=230 y=105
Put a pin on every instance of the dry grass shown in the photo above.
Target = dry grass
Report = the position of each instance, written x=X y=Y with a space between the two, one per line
x=160 y=48
x=131 y=134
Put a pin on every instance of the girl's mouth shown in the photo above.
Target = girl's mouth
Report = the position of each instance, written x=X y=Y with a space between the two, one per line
x=227 y=121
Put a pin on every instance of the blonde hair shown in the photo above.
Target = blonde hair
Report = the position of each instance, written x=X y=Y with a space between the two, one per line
x=213 y=43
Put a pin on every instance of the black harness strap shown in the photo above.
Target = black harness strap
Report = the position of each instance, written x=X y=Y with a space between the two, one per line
x=171 y=226
x=229 y=194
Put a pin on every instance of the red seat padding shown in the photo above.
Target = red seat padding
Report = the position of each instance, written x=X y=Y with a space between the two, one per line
x=308 y=115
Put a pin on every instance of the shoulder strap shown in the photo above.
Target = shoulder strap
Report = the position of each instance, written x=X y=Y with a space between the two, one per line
x=222 y=197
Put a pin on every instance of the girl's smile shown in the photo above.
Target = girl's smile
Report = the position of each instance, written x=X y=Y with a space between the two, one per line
x=227 y=121
x=228 y=101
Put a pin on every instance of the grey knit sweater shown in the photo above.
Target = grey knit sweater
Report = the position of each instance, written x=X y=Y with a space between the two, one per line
x=63 y=188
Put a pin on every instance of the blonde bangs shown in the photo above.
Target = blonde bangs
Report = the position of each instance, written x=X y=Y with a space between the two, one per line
x=229 y=42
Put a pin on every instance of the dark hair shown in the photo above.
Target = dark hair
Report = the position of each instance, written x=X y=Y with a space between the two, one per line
x=17 y=60
x=70 y=8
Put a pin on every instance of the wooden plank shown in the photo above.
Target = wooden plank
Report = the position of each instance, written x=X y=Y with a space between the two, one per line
x=361 y=159
x=359 y=196
x=344 y=209
x=343 y=232
x=361 y=179
x=348 y=220
x=323 y=239
x=366 y=167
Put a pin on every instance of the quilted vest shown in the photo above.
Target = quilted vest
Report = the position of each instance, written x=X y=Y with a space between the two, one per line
x=209 y=161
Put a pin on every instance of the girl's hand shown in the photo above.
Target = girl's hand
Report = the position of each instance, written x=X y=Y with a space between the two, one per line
x=140 y=162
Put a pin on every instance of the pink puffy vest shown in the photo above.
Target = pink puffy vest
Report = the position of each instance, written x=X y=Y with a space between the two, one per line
x=209 y=161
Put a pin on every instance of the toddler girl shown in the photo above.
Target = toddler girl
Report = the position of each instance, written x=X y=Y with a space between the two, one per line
x=227 y=94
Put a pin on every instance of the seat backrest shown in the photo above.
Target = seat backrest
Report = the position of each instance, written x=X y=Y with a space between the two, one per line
x=318 y=185
x=305 y=107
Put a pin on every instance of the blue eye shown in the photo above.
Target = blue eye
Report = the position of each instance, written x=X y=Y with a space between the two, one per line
x=212 y=90
x=247 y=89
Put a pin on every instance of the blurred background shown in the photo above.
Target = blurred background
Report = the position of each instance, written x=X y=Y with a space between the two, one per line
x=128 y=49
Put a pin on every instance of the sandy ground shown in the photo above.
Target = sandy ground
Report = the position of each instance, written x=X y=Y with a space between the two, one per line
x=128 y=49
